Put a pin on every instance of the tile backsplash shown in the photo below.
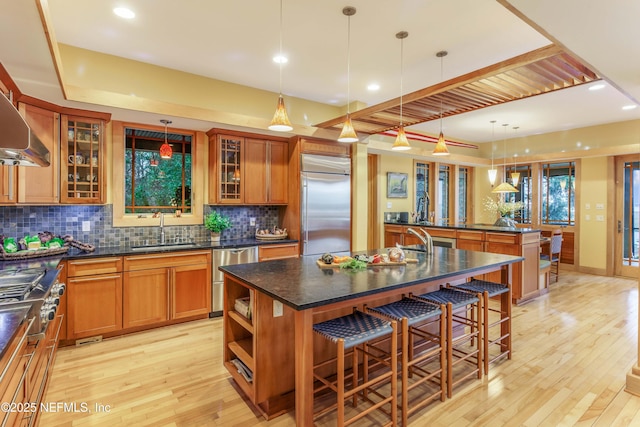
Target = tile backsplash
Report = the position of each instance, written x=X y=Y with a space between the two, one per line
x=18 y=221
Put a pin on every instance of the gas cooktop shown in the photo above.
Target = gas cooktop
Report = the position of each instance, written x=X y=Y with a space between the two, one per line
x=16 y=285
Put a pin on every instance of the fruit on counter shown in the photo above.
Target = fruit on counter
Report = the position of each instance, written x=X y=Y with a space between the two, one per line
x=340 y=259
x=327 y=258
x=375 y=259
x=10 y=245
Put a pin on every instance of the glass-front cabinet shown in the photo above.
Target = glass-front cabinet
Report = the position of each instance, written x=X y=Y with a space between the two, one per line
x=82 y=155
x=230 y=157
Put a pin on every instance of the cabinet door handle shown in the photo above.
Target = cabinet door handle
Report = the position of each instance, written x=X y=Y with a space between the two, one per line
x=93 y=279
x=93 y=261
x=169 y=296
x=11 y=172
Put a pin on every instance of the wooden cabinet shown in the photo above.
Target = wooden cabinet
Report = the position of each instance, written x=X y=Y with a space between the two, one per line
x=14 y=367
x=393 y=234
x=62 y=307
x=248 y=169
x=41 y=185
x=277 y=251
x=145 y=297
x=94 y=300
x=470 y=240
x=165 y=287
x=8 y=185
x=82 y=158
x=267 y=350
x=267 y=163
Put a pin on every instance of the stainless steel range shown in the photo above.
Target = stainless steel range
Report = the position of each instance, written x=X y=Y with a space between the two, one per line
x=38 y=287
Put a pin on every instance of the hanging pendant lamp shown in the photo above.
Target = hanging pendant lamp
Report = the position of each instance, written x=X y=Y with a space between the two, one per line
x=515 y=175
x=441 y=147
x=280 y=121
x=165 y=149
x=505 y=187
x=401 y=143
x=493 y=172
x=348 y=133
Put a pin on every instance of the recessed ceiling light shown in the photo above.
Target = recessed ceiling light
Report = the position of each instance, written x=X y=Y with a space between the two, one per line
x=123 y=12
x=280 y=59
x=597 y=87
x=373 y=86
x=629 y=107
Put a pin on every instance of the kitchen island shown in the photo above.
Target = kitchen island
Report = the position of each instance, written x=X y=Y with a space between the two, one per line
x=286 y=297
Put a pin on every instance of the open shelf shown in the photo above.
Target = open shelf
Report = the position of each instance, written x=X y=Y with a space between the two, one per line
x=241 y=320
x=243 y=349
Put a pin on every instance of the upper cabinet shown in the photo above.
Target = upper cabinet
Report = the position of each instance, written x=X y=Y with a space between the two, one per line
x=248 y=169
x=82 y=158
x=36 y=184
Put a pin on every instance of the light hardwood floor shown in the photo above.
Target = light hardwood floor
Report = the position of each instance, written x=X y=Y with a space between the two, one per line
x=572 y=350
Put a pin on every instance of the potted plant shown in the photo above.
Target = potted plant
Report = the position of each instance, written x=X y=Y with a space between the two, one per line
x=504 y=209
x=216 y=223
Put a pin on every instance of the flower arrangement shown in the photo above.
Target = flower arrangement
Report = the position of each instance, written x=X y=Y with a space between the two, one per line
x=501 y=207
x=216 y=222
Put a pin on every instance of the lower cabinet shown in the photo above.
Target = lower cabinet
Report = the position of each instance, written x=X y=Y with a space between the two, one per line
x=155 y=293
x=116 y=295
x=94 y=305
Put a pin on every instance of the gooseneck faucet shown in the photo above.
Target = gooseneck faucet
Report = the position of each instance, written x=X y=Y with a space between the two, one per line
x=162 y=228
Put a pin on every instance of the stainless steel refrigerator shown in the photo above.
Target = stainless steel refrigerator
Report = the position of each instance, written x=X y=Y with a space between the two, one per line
x=326 y=204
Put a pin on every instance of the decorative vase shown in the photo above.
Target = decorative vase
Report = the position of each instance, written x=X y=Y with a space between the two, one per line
x=505 y=221
x=215 y=237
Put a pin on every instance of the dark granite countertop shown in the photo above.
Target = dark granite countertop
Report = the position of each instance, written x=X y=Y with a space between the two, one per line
x=301 y=283
x=169 y=247
x=479 y=227
x=11 y=319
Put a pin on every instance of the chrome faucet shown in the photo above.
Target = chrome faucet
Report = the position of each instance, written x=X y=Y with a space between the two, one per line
x=162 y=237
x=426 y=240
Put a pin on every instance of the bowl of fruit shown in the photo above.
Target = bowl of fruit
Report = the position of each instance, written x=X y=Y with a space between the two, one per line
x=274 y=233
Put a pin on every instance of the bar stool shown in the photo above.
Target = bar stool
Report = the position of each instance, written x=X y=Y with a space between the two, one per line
x=416 y=318
x=351 y=333
x=462 y=308
x=503 y=341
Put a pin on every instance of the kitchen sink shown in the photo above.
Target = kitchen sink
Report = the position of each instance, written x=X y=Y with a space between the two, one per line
x=164 y=247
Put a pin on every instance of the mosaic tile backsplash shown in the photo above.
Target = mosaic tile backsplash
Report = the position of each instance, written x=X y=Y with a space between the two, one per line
x=18 y=221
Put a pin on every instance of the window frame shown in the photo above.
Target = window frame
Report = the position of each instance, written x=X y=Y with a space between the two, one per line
x=115 y=194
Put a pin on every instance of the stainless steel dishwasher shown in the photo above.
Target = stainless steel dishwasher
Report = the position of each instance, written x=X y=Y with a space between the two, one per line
x=222 y=257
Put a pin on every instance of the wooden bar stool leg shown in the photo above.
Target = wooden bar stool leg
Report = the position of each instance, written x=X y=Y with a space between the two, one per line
x=340 y=378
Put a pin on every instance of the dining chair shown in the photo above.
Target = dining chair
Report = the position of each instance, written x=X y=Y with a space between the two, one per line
x=553 y=257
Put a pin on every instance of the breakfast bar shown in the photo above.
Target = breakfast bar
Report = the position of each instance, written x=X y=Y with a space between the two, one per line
x=286 y=297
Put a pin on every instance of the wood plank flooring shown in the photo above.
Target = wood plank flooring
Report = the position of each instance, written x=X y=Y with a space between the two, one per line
x=572 y=350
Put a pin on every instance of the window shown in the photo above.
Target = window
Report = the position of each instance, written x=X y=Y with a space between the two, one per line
x=152 y=183
x=463 y=193
x=558 y=193
x=422 y=190
x=443 y=193
x=525 y=188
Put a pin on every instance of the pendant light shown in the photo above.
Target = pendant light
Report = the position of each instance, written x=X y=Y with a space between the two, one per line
x=165 y=149
x=401 y=143
x=441 y=146
x=280 y=121
x=493 y=172
x=348 y=133
x=515 y=175
x=505 y=187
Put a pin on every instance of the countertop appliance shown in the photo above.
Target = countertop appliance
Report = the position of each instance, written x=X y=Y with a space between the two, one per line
x=325 y=204
x=38 y=287
x=220 y=257
x=19 y=146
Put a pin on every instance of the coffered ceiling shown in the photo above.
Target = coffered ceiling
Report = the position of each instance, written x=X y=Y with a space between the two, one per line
x=234 y=41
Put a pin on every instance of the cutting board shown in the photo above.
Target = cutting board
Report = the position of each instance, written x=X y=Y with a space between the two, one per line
x=321 y=264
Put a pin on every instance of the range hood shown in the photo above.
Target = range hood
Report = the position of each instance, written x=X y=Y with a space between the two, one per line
x=19 y=146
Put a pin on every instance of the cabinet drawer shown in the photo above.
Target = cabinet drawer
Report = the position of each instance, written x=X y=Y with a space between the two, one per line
x=470 y=235
x=441 y=232
x=266 y=253
x=173 y=259
x=502 y=238
x=90 y=267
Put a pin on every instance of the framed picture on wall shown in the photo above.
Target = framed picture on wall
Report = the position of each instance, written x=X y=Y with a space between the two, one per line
x=397 y=185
